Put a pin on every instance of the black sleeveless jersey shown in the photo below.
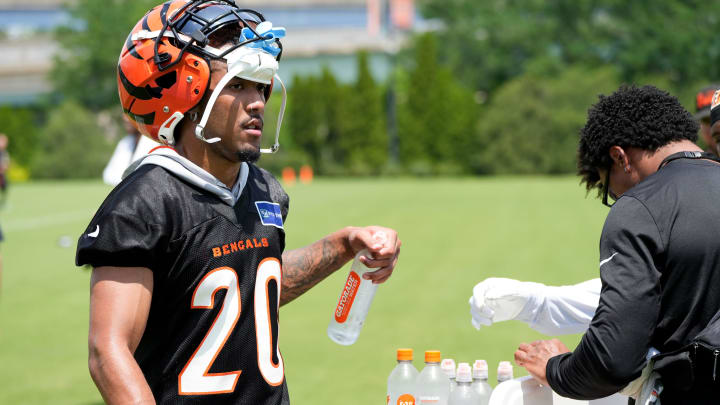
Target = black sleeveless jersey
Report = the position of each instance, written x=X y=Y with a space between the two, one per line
x=212 y=331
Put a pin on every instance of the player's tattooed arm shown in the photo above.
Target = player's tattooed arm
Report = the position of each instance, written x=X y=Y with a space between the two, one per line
x=305 y=267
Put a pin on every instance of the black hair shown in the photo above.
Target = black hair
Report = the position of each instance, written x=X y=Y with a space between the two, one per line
x=640 y=117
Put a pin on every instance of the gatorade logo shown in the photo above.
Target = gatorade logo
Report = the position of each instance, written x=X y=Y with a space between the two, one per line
x=347 y=297
x=406 y=399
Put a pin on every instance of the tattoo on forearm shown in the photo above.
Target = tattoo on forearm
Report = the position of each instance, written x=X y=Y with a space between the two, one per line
x=305 y=267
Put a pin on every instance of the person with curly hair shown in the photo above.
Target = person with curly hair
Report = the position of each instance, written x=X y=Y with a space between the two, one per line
x=659 y=264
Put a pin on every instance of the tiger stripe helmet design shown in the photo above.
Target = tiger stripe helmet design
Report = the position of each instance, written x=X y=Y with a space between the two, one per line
x=164 y=66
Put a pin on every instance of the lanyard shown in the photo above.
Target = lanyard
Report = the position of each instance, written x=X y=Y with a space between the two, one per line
x=688 y=155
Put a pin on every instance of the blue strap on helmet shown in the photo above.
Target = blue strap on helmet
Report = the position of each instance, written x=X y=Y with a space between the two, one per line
x=266 y=31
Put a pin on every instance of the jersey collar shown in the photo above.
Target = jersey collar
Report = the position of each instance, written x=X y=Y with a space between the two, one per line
x=184 y=169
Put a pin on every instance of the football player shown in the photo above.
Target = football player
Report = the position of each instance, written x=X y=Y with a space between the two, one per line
x=189 y=267
x=131 y=147
x=4 y=166
x=703 y=102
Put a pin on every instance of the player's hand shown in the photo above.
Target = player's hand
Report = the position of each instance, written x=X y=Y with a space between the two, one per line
x=534 y=357
x=383 y=246
x=500 y=299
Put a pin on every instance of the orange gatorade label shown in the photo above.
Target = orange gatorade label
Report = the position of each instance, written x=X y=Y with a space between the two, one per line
x=406 y=399
x=347 y=297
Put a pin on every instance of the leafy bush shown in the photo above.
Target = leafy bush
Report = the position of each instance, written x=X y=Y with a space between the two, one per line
x=19 y=124
x=436 y=114
x=87 y=62
x=362 y=140
x=340 y=128
x=532 y=123
x=71 y=145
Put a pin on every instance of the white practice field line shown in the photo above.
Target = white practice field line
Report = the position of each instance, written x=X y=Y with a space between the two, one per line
x=29 y=224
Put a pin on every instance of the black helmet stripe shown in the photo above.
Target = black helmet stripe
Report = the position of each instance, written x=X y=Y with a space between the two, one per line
x=145 y=25
x=163 y=12
x=147 y=119
x=143 y=93
x=130 y=45
x=167 y=80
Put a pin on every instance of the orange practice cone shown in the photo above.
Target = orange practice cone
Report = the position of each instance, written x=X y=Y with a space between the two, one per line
x=288 y=176
x=306 y=174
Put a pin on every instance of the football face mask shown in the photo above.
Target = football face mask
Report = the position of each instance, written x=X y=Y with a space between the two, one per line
x=253 y=60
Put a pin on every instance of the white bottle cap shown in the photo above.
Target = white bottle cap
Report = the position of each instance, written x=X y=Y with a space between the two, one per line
x=505 y=371
x=480 y=370
x=448 y=367
x=464 y=373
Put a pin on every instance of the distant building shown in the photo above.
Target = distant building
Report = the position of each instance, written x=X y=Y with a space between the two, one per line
x=320 y=33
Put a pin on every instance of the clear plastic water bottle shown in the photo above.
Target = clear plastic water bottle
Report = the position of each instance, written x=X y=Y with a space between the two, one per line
x=463 y=393
x=401 y=383
x=448 y=367
x=480 y=381
x=432 y=384
x=505 y=371
x=355 y=300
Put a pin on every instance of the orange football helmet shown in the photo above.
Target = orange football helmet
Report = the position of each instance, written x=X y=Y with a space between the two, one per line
x=164 y=66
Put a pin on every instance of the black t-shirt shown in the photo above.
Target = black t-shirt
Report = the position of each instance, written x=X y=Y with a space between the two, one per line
x=660 y=271
x=212 y=330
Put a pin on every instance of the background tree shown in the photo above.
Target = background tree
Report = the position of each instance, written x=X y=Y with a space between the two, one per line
x=71 y=145
x=86 y=68
x=332 y=99
x=533 y=122
x=436 y=114
x=20 y=126
x=308 y=123
x=362 y=139
x=492 y=41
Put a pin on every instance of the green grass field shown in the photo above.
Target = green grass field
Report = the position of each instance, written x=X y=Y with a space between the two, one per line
x=455 y=233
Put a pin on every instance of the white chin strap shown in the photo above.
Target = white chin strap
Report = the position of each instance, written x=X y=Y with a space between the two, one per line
x=249 y=64
x=276 y=145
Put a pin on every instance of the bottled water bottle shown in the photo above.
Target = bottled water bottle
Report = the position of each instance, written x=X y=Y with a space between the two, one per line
x=355 y=300
x=432 y=385
x=505 y=371
x=480 y=381
x=401 y=383
x=448 y=367
x=463 y=393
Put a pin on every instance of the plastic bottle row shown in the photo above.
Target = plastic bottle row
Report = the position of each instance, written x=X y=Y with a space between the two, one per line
x=440 y=383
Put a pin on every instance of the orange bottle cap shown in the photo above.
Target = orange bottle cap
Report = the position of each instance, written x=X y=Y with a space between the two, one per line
x=404 y=354
x=432 y=356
